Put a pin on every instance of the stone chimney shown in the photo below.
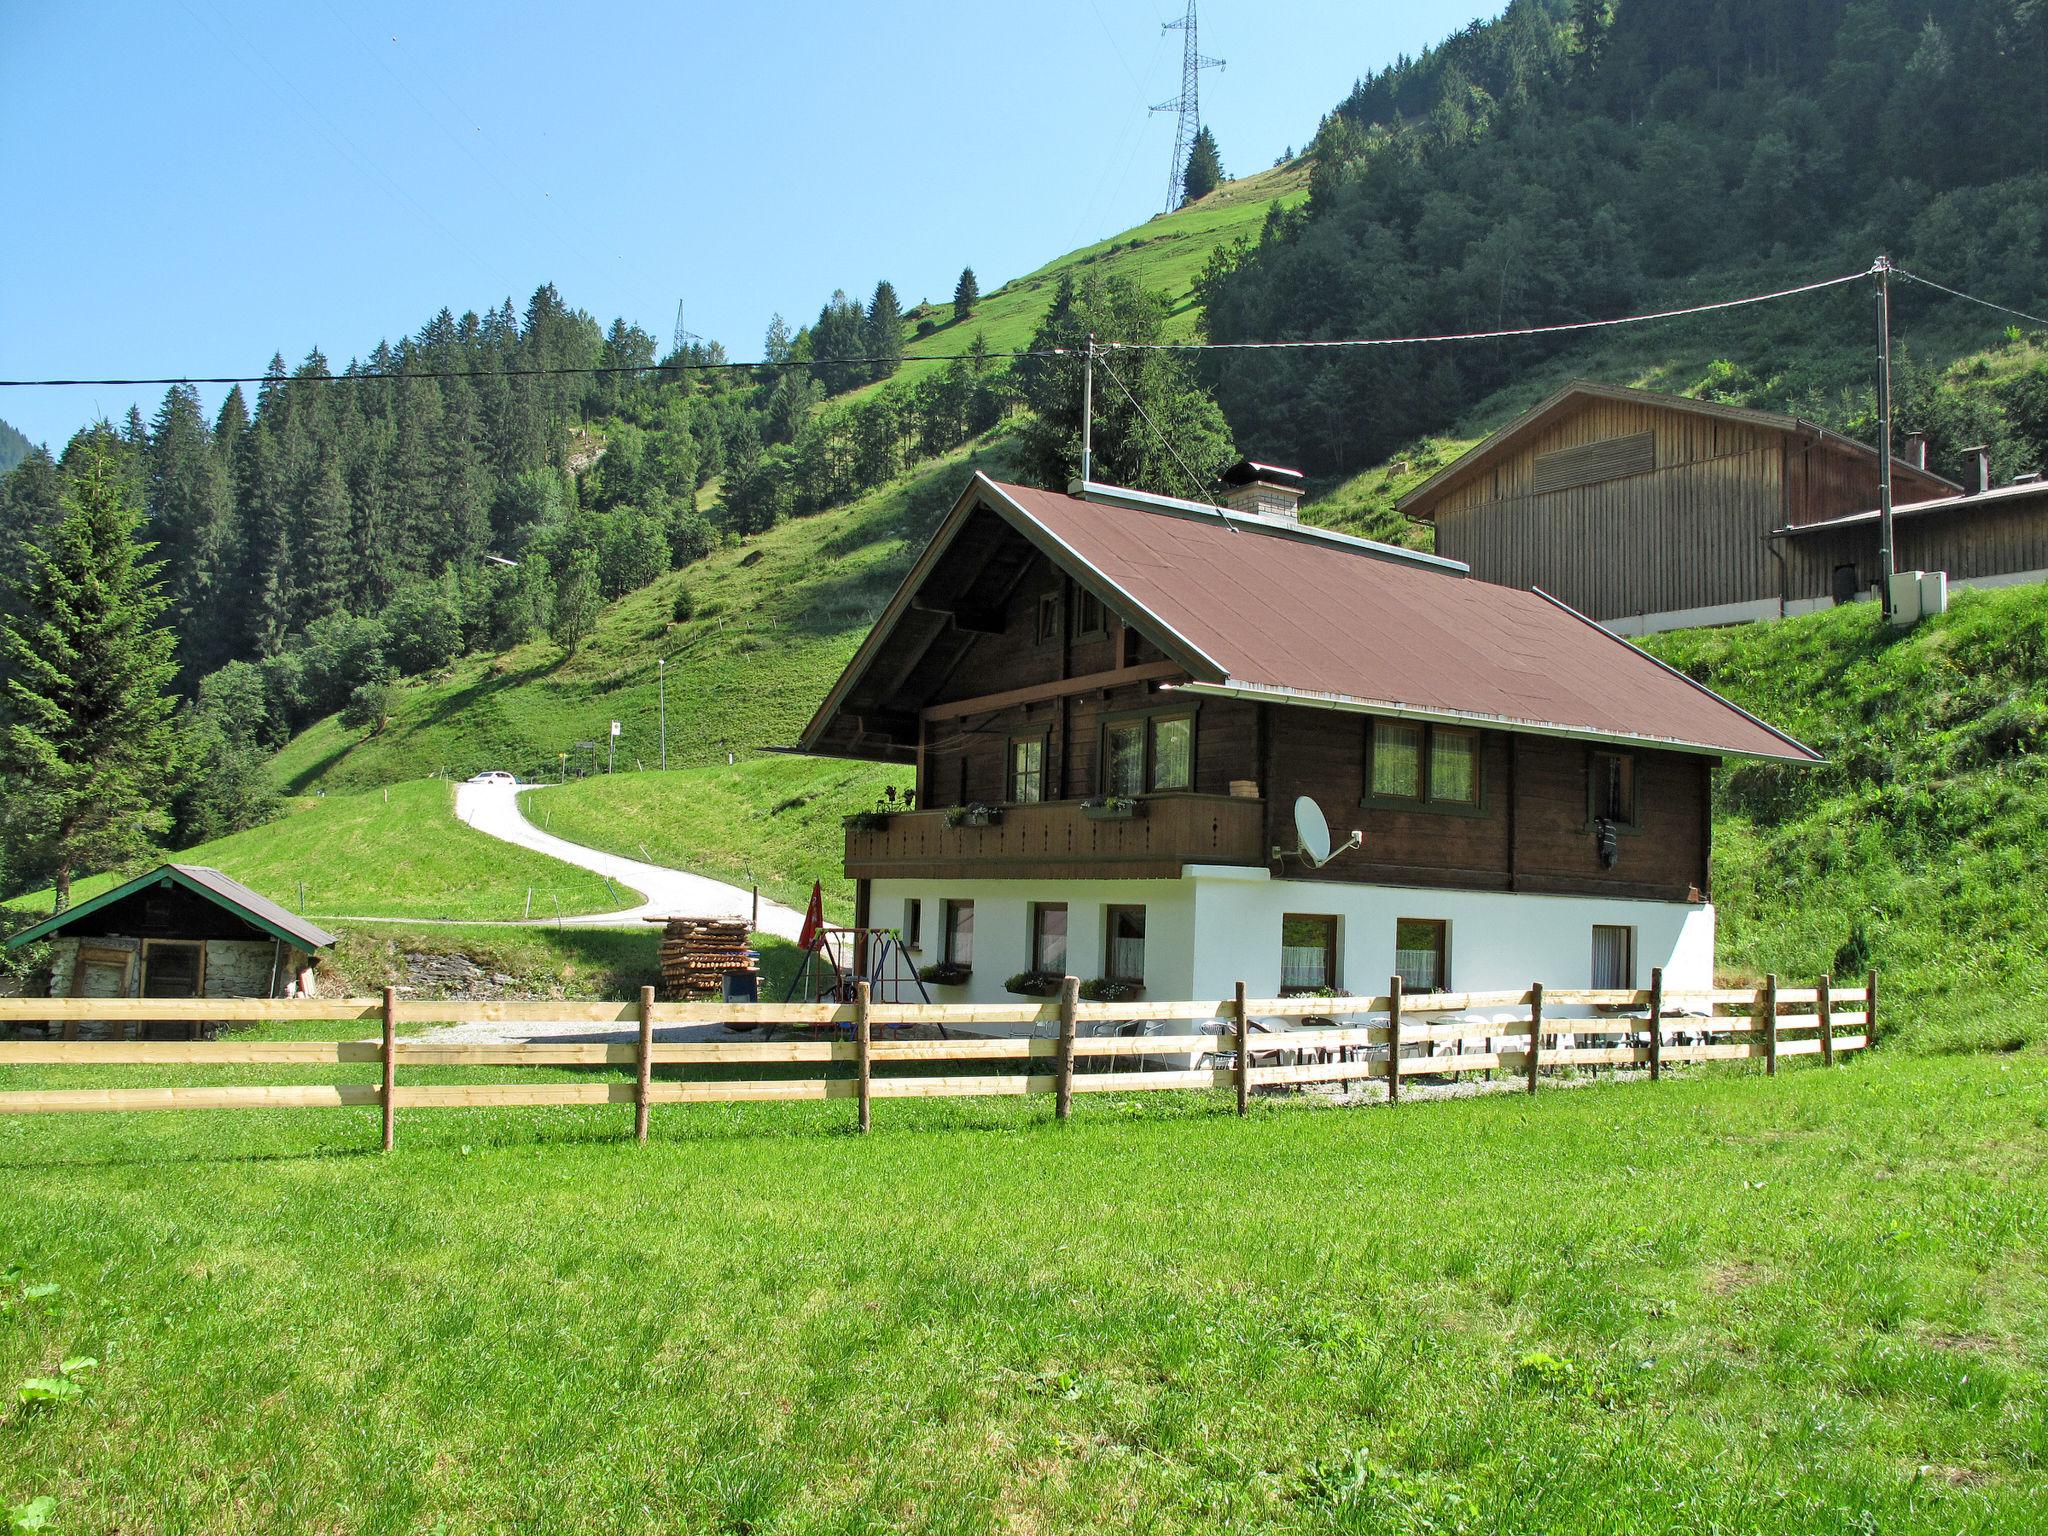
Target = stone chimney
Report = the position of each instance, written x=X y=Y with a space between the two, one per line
x=1916 y=449
x=1266 y=489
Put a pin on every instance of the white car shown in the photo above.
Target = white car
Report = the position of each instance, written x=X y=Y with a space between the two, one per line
x=495 y=776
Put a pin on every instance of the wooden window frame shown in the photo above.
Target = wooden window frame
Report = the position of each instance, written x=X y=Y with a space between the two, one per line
x=1048 y=632
x=1633 y=821
x=950 y=934
x=1039 y=909
x=199 y=973
x=1331 y=946
x=1109 y=917
x=1629 y=981
x=1422 y=800
x=1146 y=718
x=913 y=923
x=1442 y=925
x=89 y=953
x=1042 y=739
x=1087 y=605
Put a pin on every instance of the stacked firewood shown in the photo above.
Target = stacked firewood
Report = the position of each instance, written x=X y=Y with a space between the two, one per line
x=698 y=953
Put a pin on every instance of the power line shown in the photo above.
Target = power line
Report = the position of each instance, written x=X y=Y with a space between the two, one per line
x=1957 y=293
x=599 y=371
x=1167 y=443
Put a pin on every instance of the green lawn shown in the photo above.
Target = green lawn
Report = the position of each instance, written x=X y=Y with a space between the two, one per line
x=1723 y=1303
x=772 y=820
x=388 y=853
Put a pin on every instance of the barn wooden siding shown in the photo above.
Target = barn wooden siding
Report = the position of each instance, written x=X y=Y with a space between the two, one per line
x=1969 y=540
x=1689 y=533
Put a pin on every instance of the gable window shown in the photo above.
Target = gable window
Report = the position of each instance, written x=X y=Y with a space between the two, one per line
x=1173 y=752
x=1612 y=790
x=959 y=933
x=1422 y=954
x=1027 y=770
x=913 y=923
x=1089 y=618
x=1308 y=953
x=1125 y=952
x=1123 y=750
x=1049 y=936
x=1428 y=764
x=1048 y=618
x=1614 y=958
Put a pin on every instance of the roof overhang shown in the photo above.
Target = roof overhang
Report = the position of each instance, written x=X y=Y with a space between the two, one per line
x=1976 y=501
x=170 y=874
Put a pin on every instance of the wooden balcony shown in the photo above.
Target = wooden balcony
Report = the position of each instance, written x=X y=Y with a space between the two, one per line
x=1057 y=840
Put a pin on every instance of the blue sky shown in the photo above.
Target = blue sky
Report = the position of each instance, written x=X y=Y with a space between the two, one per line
x=195 y=184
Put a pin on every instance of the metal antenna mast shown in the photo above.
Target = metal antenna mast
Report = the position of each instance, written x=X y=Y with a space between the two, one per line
x=1188 y=104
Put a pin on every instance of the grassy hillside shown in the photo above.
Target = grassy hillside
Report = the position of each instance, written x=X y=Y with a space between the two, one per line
x=1923 y=842
x=1725 y=1303
x=1165 y=255
x=387 y=853
x=774 y=821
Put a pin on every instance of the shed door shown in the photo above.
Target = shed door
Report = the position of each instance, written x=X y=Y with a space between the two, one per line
x=172 y=969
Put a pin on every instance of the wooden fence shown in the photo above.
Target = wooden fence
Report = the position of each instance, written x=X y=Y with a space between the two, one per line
x=1242 y=1052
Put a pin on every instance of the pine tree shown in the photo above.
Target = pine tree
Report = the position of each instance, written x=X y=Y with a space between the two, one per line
x=575 y=607
x=882 y=334
x=189 y=517
x=966 y=294
x=1205 y=167
x=88 y=746
x=329 y=531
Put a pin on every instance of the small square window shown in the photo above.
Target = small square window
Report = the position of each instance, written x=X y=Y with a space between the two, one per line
x=1422 y=948
x=1027 y=770
x=1049 y=936
x=1308 y=953
x=1613 y=788
x=1614 y=958
x=1397 y=760
x=959 y=933
x=1125 y=954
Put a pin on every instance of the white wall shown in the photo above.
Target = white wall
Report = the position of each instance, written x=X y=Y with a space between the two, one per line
x=1217 y=926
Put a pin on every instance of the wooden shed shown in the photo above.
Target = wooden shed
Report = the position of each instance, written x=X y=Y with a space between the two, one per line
x=1650 y=511
x=179 y=931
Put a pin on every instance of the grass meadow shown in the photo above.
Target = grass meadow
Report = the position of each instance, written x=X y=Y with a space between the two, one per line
x=1720 y=1303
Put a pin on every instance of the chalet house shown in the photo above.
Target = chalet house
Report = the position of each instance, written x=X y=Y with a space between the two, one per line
x=1118 y=705
x=1648 y=511
x=180 y=931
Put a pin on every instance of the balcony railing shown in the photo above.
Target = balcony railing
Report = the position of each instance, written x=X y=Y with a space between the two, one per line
x=1058 y=839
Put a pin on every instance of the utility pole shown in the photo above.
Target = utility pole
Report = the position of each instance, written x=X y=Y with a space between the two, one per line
x=1881 y=270
x=661 y=688
x=1088 y=412
x=1187 y=105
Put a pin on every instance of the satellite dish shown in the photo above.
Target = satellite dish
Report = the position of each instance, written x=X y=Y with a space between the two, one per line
x=1312 y=837
x=1311 y=831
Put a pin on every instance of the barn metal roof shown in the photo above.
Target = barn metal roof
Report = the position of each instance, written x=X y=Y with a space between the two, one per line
x=1263 y=609
x=1969 y=501
x=258 y=910
x=1420 y=502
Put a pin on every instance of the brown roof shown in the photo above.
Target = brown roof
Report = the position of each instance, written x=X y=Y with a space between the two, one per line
x=1259 y=607
x=256 y=909
x=1419 y=502
x=1969 y=501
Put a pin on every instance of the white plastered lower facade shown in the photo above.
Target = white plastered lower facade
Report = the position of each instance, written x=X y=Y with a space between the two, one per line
x=1216 y=926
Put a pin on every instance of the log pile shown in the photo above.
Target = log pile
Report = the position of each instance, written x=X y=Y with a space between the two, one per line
x=697 y=953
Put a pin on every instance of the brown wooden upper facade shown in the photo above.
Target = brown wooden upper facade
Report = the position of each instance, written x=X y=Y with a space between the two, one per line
x=1626 y=502
x=1020 y=677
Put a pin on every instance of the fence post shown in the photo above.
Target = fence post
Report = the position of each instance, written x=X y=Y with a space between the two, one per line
x=643 y=1064
x=390 y=1065
x=1657 y=1022
x=1827 y=1024
x=1244 y=1054
x=1070 y=1001
x=1535 y=1031
x=1770 y=996
x=860 y=1051
x=1394 y=1039
x=1870 y=1007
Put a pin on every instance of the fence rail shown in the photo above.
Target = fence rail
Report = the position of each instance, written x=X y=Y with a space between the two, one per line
x=1244 y=1051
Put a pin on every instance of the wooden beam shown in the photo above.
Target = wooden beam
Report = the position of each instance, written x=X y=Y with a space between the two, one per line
x=987 y=703
x=1070 y=1002
x=1656 y=1022
x=1394 y=1038
x=1244 y=1051
x=1535 y=1032
x=968 y=620
x=643 y=1064
x=863 y=1063
x=387 y=1096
